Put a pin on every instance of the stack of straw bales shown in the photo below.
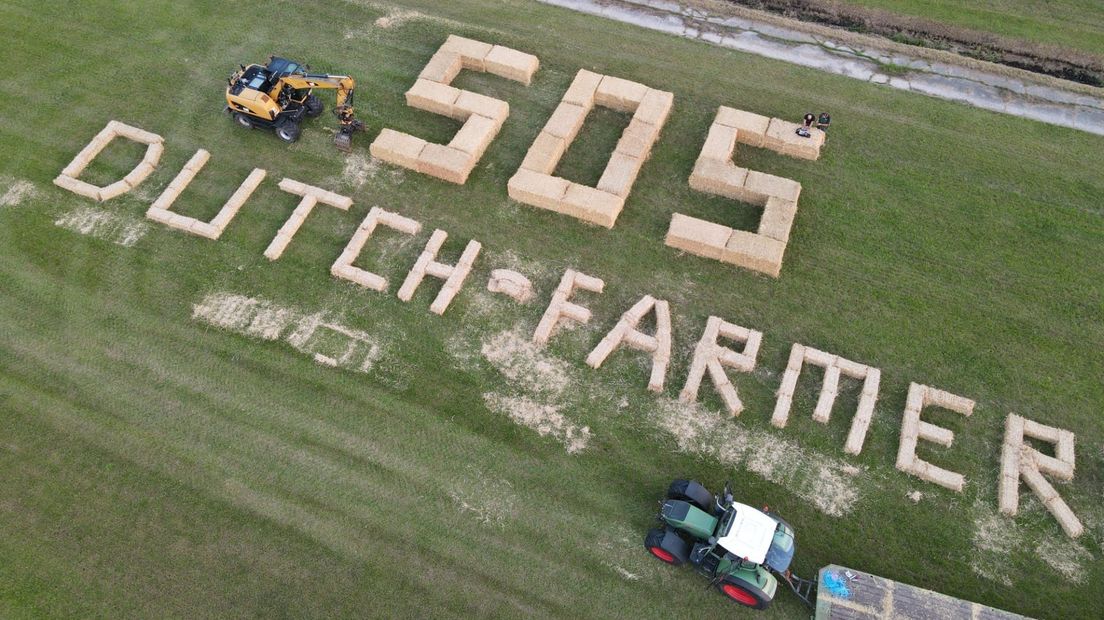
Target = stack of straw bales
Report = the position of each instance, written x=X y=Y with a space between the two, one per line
x=68 y=179
x=712 y=356
x=512 y=284
x=483 y=116
x=716 y=173
x=311 y=197
x=560 y=308
x=343 y=267
x=453 y=275
x=626 y=332
x=834 y=366
x=534 y=183
x=914 y=429
x=1019 y=460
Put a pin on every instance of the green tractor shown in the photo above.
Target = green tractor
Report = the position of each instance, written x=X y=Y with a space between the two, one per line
x=743 y=551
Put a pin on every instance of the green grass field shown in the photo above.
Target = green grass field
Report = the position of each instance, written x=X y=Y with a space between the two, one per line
x=1076 y=24
x=152 y=465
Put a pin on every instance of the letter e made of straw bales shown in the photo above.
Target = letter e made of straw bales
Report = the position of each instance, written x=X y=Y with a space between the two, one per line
x=834 y=366
x=69 y=177
x=913 y=429
x=1020 y=461
x=483 y=116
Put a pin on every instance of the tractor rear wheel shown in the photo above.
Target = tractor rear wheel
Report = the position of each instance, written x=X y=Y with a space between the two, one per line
x=693 y=492
x=314 y=106
x=744 y=593
x=667 y=545
x=243 y=120
x=288 y=132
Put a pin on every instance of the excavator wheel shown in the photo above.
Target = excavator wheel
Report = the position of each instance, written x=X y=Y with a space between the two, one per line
x=314 y=106
x=243 y=120
x=288 y=131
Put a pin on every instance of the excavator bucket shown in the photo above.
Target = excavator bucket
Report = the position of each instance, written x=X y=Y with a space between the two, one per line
x=344 y=141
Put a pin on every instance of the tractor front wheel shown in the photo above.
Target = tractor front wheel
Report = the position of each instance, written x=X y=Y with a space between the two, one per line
x=744 y=593
x=667 y=545
x=288 y=132
x=243 y=120
x=693 y=492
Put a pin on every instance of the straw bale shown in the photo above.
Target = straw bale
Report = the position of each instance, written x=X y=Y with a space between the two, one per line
x=511 y=284
x=364 y=278
x=724 y=387
x=820 y=358
x=292 y=186
x=544 y=154
x=769 y=185
x=159 y=215
x=872 y=383
x=398 y=222
x=77 y=187
x=860 y=424
x=469 y=103
x=1065 y=517
x=538 y=190
x=1062 y=470
x=828 y=390
x=566 y=121
x=512 y=64
x=153 y=153
x=592 y=205
x=1042 y=432
x=397 y=148
x=935 y=434
x=138 y=135
x=476 y=135
x=946 y=400
x=697 y=236
x=442 y=68
x=655 y=107
x=433 y=97
x=583 y=89
x=197 y=162
x=781 y=410
x=752 y=127
x=851 y=369
x=637 y=139
x=754 y=252
x=947 y=479
x=778 y=218
x=140 y=173
x=588 y=283
x=620 y=174
x=619 y=94
x=118 y=188
x=721 y=178
x=237 y=199
x=471 y=51
x=916 y=396
x=445 y=163
x=203 y=229
x=720 y=143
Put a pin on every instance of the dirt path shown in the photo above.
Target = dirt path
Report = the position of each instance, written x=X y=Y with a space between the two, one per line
x=930 y=72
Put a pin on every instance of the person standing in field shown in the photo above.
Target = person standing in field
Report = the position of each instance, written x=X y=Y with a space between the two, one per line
x=824 y=121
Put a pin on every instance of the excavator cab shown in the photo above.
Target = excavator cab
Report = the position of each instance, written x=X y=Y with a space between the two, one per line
x=280 y=94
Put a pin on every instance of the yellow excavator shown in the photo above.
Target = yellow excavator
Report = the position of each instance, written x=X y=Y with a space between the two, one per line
x=278 y=94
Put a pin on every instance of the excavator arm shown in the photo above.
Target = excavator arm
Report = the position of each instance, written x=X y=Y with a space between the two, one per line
x=343 y=109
